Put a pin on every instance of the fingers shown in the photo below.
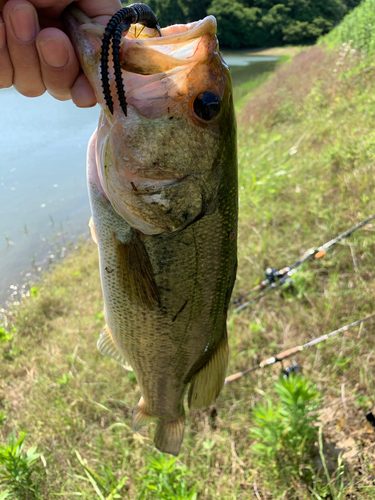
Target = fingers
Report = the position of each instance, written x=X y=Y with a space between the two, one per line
x=58 y=62
x=94 y=8
x=22 y=27
x=82 y=93
x=34 y=60
x=6 y=68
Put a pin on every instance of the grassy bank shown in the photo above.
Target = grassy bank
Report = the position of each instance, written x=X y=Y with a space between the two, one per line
x=241 y=92
x=356 y=28
x=306 y=156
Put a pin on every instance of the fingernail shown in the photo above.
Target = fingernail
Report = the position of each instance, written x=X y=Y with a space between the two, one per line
x=3 y=38
x=54 y=52
x=24 y=22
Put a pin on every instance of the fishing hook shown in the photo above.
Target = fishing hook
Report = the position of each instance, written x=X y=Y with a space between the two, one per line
x=117 y=25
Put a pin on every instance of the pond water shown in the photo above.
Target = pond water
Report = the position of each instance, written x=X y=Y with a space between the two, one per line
x=43 y=196
x=246 y=67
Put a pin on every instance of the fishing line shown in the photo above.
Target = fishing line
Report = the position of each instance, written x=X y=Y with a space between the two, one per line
x=277 y=277
x=295 y=350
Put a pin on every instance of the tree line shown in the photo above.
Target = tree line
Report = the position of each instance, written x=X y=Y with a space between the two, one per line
x=258 y=23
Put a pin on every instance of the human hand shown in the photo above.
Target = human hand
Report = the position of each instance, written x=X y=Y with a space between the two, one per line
x=35 y=53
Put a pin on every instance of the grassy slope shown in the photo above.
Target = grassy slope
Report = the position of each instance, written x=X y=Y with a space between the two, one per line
x=306 y=154
x=357 y=28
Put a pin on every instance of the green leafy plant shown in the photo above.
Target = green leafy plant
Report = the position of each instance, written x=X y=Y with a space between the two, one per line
x=64 y=379
x=285 y=432
x=105 y=486
x=19 y=471
x=5 y=336
x=34 y=291
x=165 y=479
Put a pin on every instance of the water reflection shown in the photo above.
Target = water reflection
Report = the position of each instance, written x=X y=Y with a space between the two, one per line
x=244 y=67
x=43 y=195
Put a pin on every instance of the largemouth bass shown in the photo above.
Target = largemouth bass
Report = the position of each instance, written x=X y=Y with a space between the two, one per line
x=163 y=192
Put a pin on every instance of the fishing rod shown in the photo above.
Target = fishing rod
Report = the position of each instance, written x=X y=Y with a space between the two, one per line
x=295 y=350
x=277 y=277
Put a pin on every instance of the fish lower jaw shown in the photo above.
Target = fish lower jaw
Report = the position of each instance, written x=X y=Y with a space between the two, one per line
x=144 y=203
x=134 y=220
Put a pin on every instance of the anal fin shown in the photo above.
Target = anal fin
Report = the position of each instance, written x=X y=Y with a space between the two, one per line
x=140 y=416
x=206 y=384
x=93 y=232
x=107 y=347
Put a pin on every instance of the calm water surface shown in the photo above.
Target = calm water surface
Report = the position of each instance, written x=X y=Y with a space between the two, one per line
x=43 y=196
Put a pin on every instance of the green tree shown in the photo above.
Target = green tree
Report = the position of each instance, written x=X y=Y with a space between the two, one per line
x=258 y=23
x=247 y=23
x=169 y=11
x=196 y=9
x=237 y=25
x=273 y=22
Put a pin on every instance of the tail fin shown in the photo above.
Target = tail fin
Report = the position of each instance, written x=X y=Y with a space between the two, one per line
x=169 y=435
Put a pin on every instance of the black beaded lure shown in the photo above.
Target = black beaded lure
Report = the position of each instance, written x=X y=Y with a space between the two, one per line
x=117 y=25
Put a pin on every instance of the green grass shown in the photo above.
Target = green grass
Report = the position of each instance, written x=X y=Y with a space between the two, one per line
x=357 y=28
x=306 y=157
x=19 y=471
x=242 y=92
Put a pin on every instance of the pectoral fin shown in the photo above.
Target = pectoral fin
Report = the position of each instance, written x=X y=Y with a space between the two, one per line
x=136 y=272
x=207 y=383
x=107 y=347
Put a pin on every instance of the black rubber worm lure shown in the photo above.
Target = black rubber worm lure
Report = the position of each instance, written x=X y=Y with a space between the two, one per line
x=117 y=25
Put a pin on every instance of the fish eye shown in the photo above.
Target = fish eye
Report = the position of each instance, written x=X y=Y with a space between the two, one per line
x=207 y=105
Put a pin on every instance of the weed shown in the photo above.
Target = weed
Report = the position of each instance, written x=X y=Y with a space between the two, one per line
x=64 y=379
x=105 y=486
x=165 y=479
x=336 y=488
x=18 y=469
x=34 y=291
x=5 y=336
x=285 y=432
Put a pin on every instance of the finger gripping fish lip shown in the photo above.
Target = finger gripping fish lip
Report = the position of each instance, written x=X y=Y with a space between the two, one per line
x=117 y=25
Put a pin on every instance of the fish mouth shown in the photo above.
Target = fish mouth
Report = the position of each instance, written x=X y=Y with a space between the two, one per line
x=153 y=68
x=177 y=33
